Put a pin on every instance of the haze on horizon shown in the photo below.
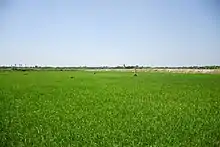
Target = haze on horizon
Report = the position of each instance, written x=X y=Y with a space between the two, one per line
x=110 y=32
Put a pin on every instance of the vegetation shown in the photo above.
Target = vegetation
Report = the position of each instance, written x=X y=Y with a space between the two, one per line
x=21 y=68
x=109 y=109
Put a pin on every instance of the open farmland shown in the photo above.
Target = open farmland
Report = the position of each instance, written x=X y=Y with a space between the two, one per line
x=76 y=108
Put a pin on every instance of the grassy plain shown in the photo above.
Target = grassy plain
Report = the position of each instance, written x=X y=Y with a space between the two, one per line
x=109 y=109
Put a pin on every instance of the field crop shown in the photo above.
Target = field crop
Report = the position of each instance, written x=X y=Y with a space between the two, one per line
x=76 y=108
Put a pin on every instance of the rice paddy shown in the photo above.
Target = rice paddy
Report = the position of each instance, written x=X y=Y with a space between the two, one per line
x=78 y=108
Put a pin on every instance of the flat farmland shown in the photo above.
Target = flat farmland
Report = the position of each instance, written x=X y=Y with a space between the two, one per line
x=79 y=108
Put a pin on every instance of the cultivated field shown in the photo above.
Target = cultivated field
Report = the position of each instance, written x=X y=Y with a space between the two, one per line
x=68 y=108
x=203 y=71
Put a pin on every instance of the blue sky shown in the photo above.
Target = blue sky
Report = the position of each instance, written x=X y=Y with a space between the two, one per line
x=110 y=32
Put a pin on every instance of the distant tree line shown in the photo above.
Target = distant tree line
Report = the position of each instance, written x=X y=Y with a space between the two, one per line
x=20 y=68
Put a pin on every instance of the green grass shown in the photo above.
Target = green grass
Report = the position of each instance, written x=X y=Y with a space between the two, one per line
x=109 y=109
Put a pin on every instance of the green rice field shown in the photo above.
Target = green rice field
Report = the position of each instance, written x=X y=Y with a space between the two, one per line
x=113 y=109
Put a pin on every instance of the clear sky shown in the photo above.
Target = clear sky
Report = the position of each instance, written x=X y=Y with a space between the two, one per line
x=110 y=32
